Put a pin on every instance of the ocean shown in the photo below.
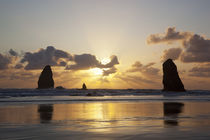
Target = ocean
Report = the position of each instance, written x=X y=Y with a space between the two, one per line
x=104 y=114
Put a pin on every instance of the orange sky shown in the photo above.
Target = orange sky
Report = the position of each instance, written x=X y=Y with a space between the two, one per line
x=109 y=44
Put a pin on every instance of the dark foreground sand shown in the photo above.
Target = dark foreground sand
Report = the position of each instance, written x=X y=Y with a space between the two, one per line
x=106 y=120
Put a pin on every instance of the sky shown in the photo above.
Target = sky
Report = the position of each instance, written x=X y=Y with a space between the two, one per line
x=106 y=44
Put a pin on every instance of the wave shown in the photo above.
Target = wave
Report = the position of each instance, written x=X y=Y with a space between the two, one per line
x=96 y=92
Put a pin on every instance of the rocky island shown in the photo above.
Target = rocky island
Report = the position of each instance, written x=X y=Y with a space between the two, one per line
x=171 y=80
x=46 y=78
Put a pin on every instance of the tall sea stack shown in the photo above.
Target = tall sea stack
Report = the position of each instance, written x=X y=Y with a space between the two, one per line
x=46 y=78
x=171 y=80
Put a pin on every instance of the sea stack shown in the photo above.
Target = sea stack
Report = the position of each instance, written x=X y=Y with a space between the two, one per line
x=171 y=80
x=84 y=86
x=46 y=78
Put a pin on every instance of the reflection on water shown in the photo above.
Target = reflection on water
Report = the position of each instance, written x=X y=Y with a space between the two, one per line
x=171 y=112
x=104 y=117
x=113 y=117
x=45 y=113
x=19 y=114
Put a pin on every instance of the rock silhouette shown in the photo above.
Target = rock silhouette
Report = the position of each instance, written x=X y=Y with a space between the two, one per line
x=60 y=87
x=171 y=80
x=46 y=78
x=84 y=87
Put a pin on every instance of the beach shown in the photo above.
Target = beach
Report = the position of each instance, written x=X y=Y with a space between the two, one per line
x=105 y=117
x=104 y=70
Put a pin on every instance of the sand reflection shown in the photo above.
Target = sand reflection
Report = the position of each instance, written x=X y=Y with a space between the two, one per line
x=19 y=114
x=109 y=116
x=105 y=111
x=171 y=112
x=45 y=113
x=103 y=117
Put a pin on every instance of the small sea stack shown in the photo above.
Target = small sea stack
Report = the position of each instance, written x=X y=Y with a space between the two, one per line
x=46 y=78
x=171 y=80
x=84 y=87
x=60 y=87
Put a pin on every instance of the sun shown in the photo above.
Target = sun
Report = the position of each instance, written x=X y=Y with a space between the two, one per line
x=99 y=71
x=105 y=61
x=96 y=71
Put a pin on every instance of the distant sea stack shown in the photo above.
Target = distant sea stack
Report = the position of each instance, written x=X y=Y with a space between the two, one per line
x=84 y=87
x=171 y=80
x=46 y=78
x=59 y=87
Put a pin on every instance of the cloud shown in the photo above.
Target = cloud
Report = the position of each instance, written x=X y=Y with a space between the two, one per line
x=88 y=61
x=13 y=53
x=172 y=53
x=194 y=48
x=109 y=71
x=169 y=36
x=140 y=75
x=202 y=70
x=5 y=60
x=114 y=61
x=48 y=56
x=83 y=62
x=55 y=57
x=19 y=66
x=146 y=70
x=8 y=60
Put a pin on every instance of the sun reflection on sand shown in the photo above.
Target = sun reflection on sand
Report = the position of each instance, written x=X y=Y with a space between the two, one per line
x=103 y=117
x=108 y=117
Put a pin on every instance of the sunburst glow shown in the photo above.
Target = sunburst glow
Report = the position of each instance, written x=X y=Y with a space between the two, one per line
x=105 y=61
x=99 y=71
x=96 y=71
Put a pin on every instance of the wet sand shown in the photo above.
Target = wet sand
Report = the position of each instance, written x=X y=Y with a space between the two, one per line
x=106 y=120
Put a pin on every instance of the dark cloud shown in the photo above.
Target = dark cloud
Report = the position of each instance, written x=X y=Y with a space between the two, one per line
x=83 y=62
x=109 y=71
x=202 y=70
x=13 y=53
x=8 y=60
x=88 y=61
x=172 y=53
x=114 y=61
x=195 y=48
x=170 y=35
x=19 y=66
x=48 y=56
x=54 y=57
x=5 y=60
x=62 y=63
